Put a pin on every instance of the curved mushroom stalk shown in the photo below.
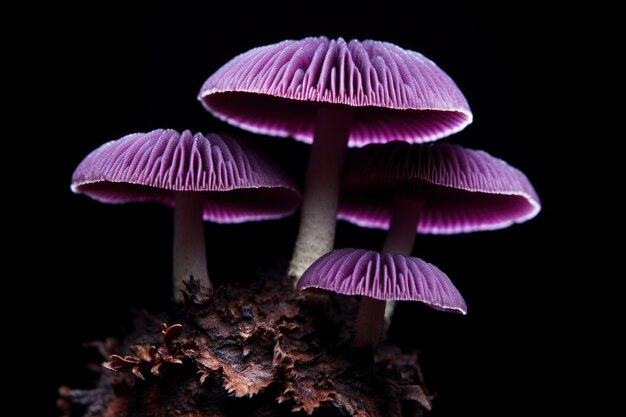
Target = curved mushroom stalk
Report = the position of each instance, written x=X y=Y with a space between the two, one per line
x=400 y=238
x=316 y=236
x=189 y=245
x=405 y=213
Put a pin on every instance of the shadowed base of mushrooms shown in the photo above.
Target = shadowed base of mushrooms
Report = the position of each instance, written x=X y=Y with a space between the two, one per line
x=262 y=351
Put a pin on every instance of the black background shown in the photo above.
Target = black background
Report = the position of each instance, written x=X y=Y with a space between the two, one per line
x=109 y=71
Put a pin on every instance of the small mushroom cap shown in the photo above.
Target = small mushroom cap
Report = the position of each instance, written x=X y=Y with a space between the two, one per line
x=383 y=277
x=399 y=94
x=239 y=182
x=462 y=190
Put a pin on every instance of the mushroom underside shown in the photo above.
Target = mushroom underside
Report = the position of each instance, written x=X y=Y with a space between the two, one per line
x=277 y=116
x=219 y=206
x=445 y=210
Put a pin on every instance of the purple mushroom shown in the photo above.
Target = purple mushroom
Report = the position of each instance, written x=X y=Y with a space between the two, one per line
x=379 y=278
x=334 y=94
x=214 y=177
x=434 y=188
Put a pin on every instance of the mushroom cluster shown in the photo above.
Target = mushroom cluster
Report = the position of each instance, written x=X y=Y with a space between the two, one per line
x=387 y=101
x=335 y=94
x=439 y=188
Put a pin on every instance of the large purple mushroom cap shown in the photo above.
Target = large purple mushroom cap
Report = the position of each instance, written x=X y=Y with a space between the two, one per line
x=237 y=182
x=462 y=190
x=382 y=277
x=333 y=95
x=396 y=94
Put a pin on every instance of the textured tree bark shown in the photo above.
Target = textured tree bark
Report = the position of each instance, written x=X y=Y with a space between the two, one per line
x=260 y=350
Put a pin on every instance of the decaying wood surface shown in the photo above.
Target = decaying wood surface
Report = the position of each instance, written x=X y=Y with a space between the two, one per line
x=261 y=351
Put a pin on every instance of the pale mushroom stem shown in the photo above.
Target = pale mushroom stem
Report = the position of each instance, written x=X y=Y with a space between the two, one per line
x=372 y=316
x=318 y=217
x=189 y=247
x=400 y=238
